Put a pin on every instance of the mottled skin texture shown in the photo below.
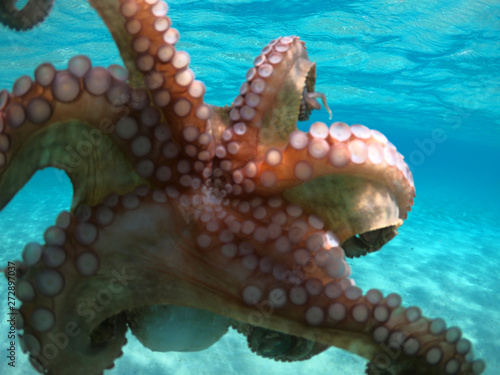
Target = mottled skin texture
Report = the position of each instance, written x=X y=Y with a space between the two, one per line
x=229 y=211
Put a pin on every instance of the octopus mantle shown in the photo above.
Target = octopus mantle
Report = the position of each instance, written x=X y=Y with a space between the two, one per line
x=189 y=218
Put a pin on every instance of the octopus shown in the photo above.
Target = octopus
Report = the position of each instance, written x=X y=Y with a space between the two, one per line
x=189 y=219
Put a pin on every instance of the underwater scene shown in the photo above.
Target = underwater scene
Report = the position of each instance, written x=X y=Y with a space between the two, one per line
x=220 y=217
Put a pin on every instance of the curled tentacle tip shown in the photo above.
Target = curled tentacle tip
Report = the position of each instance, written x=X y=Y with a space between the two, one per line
x=30 y=15
x=312 y=102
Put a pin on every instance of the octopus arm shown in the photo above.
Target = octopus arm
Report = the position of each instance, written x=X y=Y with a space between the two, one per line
x=278 y=92
x=109 y=12
x=146 y=42
x=109 y=262
x=33 y=12
x=82 y=120
x=316 y=169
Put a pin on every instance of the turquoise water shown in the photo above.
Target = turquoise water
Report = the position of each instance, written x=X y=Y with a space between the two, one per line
x=411 y=69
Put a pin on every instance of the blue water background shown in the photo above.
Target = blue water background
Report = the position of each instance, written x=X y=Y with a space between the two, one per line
x=425 y=73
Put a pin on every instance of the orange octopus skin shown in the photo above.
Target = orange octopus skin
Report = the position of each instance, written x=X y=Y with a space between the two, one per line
x=232 y=210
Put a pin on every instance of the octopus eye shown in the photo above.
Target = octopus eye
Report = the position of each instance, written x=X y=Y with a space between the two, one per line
x=368 y=242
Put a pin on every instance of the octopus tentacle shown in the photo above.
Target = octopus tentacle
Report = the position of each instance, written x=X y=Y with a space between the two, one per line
x=75 y=120
x=314 y=165
x=53 y=286
x=33 y=12
x=89 y=122
x=264 y=292
x=110 y=13
x=279 y=75
x=147 y=42
x=310 y=99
